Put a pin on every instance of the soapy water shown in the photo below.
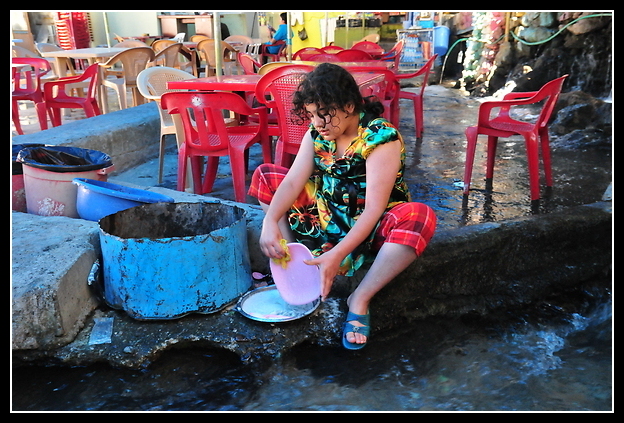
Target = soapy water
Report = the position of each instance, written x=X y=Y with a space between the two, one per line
x=266 y=305
x=550 y=358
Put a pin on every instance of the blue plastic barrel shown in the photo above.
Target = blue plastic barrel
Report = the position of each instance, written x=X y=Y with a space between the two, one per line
x=165 y=260
x=441 y=40
x=96 y=199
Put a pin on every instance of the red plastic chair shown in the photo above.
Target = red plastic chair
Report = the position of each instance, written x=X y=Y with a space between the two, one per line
x=276 y=57
x=15 y=75
x=387 y=92
x=374 y=49
x=353 y=55
x=206 y=135
x=249 y=64
x=275 y=89
x=306 y=52
x=33 y=90
x=332 y=49
x=324 y=57
x=56 y=96
x=503 y=125
x=395 y=53
x=417 y=98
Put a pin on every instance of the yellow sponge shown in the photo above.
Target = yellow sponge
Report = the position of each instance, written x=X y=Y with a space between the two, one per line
x=284 y=260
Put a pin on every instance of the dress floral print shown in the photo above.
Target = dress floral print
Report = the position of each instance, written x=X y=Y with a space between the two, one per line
x=334 y=197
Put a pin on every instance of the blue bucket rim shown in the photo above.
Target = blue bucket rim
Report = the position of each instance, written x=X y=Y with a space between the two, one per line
x=122 y=191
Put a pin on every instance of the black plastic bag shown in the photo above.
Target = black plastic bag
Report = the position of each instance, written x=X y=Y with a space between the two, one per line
x=17 y=166
x=64 y=159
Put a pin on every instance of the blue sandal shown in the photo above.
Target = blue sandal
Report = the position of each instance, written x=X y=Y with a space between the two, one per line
x=348 y=327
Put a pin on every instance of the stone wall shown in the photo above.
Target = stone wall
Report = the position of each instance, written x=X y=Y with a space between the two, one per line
x=539 y=47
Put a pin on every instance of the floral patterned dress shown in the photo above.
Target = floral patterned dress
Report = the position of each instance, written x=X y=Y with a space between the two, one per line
x=334 y=197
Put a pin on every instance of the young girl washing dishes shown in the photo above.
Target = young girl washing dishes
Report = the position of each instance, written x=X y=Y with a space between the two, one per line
x=344 y=196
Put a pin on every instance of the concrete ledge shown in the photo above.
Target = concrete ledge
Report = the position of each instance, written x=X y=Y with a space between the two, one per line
x=480 y=268
x=52 y=257
x=129 y=136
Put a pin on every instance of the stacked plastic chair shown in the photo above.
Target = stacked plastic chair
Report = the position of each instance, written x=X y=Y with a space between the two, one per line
x=73 y=30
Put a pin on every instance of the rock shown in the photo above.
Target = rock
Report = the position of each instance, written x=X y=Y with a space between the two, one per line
x=578 y=110
x=582 y=139
x=505 y=55
x=533 y=34
x=587 y=25
x=537 y=19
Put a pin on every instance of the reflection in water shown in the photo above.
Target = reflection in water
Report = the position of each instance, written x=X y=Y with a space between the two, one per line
x=435 y=168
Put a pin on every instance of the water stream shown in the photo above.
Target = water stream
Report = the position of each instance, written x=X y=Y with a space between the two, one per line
x=555 y=356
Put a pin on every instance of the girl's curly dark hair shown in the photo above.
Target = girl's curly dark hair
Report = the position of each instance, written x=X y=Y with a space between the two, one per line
x=332 y=87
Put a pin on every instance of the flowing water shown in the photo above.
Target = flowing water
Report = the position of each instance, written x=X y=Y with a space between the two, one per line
x=556 y=356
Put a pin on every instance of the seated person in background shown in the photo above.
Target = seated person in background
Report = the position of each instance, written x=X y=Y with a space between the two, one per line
x=280 y=35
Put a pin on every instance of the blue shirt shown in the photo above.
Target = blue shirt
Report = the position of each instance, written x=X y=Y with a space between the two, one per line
x=280 y=34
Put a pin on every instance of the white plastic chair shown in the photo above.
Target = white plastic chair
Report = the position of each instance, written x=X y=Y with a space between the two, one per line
x=179 y=37
x=243 y=42
x=152 y=84
x=133 y=61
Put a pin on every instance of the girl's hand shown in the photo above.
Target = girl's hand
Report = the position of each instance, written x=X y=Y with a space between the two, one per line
x=270 y=238
x=329 y=265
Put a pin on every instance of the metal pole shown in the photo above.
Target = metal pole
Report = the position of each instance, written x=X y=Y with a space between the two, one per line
x=288 y=37
x=107 y=30
x=326 y=29
x=216 y=31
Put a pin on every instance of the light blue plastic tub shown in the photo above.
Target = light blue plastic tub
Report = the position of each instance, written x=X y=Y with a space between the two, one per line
x=165 y=260
x=97 y=199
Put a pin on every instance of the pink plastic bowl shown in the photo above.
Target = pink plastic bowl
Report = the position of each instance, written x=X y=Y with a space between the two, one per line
x=298 y=283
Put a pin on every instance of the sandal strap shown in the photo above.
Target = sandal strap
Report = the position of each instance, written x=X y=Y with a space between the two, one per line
x=362 y=318
x=364 y=330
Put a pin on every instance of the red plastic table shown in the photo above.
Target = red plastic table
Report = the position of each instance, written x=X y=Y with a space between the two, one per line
x=245 y=83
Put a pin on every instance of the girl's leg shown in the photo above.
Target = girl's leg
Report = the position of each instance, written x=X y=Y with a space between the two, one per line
x=264 y=183
x=391 y=260
x=403 y=234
